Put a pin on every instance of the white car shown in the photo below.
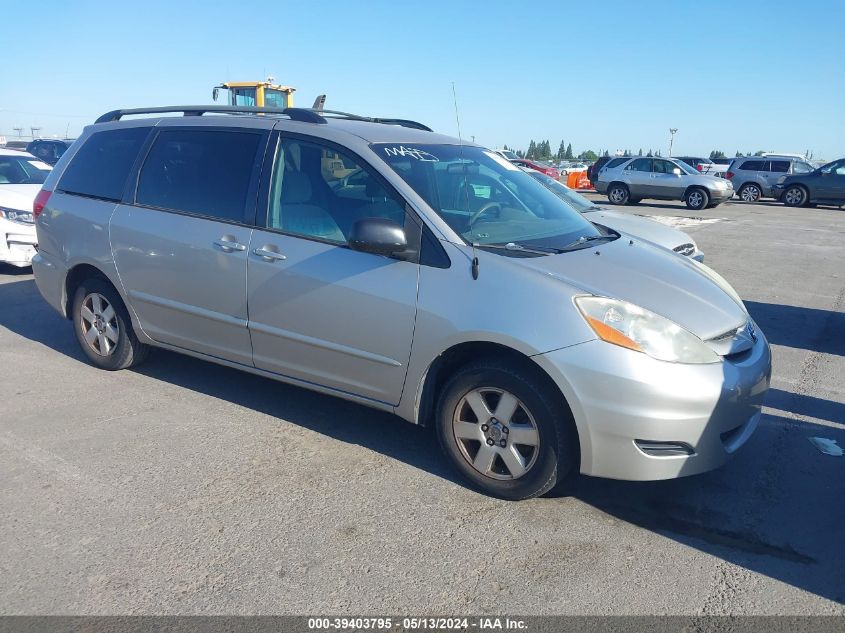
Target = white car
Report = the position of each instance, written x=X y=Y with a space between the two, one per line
x=633 y=225
x=21 y=177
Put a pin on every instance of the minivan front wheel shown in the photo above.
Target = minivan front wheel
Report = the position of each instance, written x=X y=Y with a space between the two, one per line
x=502 y=431
x=103 y=327
x=795 y=196
x=697 y=199
x=618 y=194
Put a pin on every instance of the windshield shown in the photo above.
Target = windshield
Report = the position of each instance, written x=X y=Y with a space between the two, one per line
x=23 y=170
x=484 y=198
x=572 y=198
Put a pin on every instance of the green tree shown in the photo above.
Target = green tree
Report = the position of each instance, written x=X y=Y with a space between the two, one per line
x=569 y=155
x=607 y=154
x=738 y=154
x=717 y=153
x=561 y=151
x=532 y=150
x=759 y=152
x=640 y=153
x=650 y=153
x=520 y=153
x=588 y=155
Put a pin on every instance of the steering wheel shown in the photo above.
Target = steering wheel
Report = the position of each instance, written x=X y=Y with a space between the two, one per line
x=484 y=209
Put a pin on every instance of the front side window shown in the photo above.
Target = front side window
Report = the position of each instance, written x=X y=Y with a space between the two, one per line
x=101 y=166
x=22 y=170
x=484 y=198
x=204 y=172
x=800 y=167
x=664 y=166
x=243 y=96
x=836 y=167
x=318 y=192
x=641 y=164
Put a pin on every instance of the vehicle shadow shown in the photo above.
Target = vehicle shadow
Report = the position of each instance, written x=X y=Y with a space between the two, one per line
x=803 y=328
x=774 y=510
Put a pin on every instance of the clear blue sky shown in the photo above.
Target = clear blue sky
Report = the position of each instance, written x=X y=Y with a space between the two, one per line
x=738 y=75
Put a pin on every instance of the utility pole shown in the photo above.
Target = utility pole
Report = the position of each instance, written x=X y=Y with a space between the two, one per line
x=672 y=131
x=34 y=130
x=19 y=130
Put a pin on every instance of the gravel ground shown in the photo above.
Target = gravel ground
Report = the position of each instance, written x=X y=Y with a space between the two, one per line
x=185 y=487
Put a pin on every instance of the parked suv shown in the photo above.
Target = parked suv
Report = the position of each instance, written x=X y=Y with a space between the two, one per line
x=823 y=185
x=426 y=277
x=754 y=177
x=631 y=180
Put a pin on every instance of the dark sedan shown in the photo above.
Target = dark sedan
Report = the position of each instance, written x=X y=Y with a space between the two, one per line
x=825 y=185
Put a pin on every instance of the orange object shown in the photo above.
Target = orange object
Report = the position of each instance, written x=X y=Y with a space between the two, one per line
x=572 y=180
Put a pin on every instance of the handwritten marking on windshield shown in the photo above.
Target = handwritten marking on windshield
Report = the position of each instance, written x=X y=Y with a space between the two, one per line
x=411 y=152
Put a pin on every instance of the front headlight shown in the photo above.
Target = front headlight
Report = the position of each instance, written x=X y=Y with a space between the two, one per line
x=13 y=215
x=635 y=328
x=721 y=184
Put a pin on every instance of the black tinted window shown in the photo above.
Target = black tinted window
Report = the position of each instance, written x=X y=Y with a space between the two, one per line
x=752 y=165
x=207 y=172
x=641 y=164
x=616 y=162
x=780 y=165
x=102 y=164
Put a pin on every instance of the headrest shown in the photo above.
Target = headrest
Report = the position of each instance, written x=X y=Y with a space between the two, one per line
x=296 y=187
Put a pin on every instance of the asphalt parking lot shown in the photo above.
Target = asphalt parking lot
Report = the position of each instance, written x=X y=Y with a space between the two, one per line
x=184 y=487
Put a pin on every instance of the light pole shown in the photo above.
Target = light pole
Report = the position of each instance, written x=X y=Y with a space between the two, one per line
x=34 y=130
x=672 y=131
x=19 y=130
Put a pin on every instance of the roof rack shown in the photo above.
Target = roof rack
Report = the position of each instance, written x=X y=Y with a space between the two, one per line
x=306 y=115
x=389 y=121
x=296 y=114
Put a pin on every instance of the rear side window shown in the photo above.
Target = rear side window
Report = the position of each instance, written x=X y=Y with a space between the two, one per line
x=616 y=162
x=752 y=165
x=206 y=172
x=780 y=166
x=102 y=164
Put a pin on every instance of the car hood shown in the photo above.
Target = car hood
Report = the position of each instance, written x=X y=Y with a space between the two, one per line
x=646 y=229
x=18 y=197
x=690 y=294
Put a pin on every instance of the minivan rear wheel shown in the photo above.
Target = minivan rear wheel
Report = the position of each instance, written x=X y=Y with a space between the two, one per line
x=501 y=429
x=750 y=192
x=697 y=199
x=103 y=327
x=618 y=194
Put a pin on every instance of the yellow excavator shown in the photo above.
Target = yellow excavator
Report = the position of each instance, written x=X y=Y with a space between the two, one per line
x=261 y=94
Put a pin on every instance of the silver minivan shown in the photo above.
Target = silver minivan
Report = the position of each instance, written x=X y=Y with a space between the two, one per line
x=377 y=261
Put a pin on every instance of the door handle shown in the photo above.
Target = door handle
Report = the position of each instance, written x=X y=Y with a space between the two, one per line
x=269 y=255
x=229 y=245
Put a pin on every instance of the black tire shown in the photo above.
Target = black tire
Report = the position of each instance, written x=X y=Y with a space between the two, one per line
x=795 y=196
x=556 y=454
x=126 y=350
x=697 y=199
x=750 y=192
x=634 y=200
x=618 y=193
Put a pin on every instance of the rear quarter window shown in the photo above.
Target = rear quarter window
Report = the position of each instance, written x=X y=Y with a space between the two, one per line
x=100 y=167
x=781 y=166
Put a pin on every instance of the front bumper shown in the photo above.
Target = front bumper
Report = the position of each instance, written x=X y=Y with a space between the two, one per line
x=17 y=244
x=619 y=398
x=721 y=195
x=777 y=191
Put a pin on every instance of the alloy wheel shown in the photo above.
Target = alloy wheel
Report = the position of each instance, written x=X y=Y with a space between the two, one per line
x=100 y=328
x=496 y=433
x=617 y=195
x=750 y=193
x=696 y=199
x=794 y=196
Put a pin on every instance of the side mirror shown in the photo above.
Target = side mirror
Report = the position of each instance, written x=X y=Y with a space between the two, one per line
x=379 y=236
x=677 y=171
x=215 y=93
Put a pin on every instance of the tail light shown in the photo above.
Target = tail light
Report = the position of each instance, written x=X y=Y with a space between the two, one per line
x=40 y=202
x=729 y=175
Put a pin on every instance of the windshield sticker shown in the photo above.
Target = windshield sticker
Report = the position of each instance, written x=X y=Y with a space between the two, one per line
x=411 y=152
x=503 y=162
x=38 y=164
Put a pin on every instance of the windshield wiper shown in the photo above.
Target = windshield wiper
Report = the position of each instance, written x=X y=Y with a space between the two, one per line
x=519 y=248
x=584 y=239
